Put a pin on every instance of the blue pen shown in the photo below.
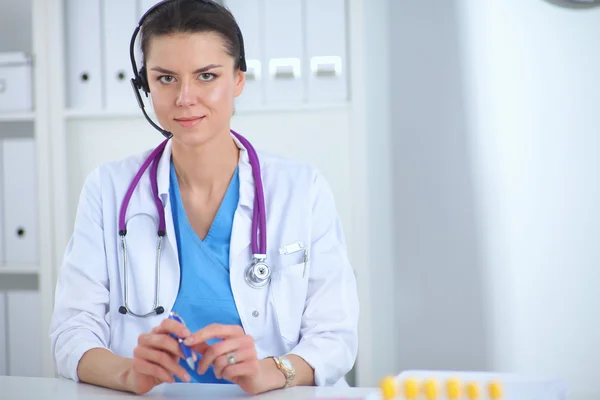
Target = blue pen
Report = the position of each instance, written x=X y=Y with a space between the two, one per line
x=187 y=352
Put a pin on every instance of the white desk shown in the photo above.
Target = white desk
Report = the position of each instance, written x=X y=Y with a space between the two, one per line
x=13 y=388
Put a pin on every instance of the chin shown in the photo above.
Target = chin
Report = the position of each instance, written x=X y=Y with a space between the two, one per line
x=192 y=138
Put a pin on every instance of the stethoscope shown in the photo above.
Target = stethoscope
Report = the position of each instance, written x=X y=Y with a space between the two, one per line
x=257 y=273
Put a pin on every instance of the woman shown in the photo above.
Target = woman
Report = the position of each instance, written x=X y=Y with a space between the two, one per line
x=300 y=328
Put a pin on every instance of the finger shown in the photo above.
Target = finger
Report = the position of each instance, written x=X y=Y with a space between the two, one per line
x=200 y=348
x=147 y=368
x=236 y=371
x=162 y=359
x=214 y=331
x=247 y=355
x=172 y=326
x=219 y=349
x=162 y=342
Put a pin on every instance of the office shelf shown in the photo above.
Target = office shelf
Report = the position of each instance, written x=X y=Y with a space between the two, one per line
x=17 y=117
x=12 y=269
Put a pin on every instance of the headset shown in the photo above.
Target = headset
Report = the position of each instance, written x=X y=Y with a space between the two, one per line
x=139 y=82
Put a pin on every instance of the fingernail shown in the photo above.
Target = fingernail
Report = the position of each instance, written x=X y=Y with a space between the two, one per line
x=186 y=332
x=187 y=378
x=188 y=341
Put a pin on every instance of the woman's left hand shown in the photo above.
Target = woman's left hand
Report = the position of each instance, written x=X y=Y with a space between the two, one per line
x=234 y=357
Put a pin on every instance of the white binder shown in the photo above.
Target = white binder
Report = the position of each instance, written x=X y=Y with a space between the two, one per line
x=84 y=66
x=248 y=14
x=16 y=92
x=20 y=201
x=118 y=22
x=326 y=51
x=3 y=330
x=283 y=50
x=24 y=328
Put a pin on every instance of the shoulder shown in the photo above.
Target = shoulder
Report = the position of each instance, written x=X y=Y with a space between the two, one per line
x=114 y=175
x=291 y=177
x=126 y=166
x=285 y=169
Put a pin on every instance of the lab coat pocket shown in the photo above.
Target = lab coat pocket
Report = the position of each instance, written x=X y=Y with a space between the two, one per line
x=289 y=292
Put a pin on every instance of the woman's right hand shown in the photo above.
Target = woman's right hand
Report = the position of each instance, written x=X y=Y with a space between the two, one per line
x=156 y=358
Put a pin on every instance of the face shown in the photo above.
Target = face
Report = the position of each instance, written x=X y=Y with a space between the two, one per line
x=193 y=85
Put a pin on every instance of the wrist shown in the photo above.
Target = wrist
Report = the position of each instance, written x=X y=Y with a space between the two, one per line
x=125 y=376
x=272 y=377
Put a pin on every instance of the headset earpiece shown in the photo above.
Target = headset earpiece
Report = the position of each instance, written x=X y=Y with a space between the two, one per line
x=143 y=80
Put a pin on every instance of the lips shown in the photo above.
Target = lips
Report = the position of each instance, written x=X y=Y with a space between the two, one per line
x=189 y=122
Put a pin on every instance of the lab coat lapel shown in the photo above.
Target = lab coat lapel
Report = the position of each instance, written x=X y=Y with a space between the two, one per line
x=169 y=291
x=242 y=221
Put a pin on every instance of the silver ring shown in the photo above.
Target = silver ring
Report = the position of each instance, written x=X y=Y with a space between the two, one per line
x=231 y=359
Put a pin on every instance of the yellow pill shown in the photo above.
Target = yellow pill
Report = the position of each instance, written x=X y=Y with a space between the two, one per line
x=495 y=390
x=453 y=389
x=430 y=387
x=472 y=391
x=389 y=387
x=411 y=389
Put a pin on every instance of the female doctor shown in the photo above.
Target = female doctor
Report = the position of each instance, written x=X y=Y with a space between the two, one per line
x=246 y=248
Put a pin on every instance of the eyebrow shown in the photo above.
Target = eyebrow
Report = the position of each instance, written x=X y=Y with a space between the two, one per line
x=198 y=71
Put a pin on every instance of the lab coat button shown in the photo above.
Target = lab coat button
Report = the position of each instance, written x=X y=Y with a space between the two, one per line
x=255 y=314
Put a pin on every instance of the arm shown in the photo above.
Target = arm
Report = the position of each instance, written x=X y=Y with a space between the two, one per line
x=102 y=367
x=82 y=291
x=329 y=337
x=275 y=379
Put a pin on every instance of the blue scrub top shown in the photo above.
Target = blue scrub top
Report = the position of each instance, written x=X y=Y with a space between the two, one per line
x=205 y=295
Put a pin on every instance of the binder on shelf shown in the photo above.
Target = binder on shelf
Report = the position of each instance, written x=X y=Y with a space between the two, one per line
x=3 y=330
x=16 y=88
x=84 y=58
x=19 y=201
x=326 y=51
x=118 y=22
x=248 y=15
x=283 y=52
x=24 y=328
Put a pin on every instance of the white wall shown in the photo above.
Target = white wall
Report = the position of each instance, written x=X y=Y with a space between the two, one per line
x=437 y=262
x=496 y=190
x=533 y=99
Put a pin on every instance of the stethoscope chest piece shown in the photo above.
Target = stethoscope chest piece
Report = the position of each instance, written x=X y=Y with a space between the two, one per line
x=258 y=273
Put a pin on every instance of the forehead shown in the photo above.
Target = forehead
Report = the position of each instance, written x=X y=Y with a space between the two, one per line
x=192 y=47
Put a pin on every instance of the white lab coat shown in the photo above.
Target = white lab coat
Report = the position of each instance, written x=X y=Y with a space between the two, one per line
x=313 y=316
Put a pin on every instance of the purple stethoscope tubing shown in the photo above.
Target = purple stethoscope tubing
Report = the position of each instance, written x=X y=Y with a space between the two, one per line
x=257 y=273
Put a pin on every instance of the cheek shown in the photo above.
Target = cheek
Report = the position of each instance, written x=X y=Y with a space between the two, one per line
x=160 y=104
x=221 y=95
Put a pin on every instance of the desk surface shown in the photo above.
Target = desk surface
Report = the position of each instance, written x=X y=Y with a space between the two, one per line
x=12 y=388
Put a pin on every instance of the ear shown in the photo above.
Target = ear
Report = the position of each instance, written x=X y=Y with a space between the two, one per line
x=240 y=82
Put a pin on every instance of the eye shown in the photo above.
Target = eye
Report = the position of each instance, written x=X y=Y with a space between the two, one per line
x=206 y=77
x=165 y=79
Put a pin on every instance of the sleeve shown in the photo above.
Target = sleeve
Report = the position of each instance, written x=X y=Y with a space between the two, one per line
x=329 y=328
x=82 y=292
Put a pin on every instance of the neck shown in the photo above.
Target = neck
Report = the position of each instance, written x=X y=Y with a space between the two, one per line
x=207 y=165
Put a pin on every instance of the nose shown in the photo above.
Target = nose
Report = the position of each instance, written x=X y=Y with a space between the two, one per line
x=186 y=96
